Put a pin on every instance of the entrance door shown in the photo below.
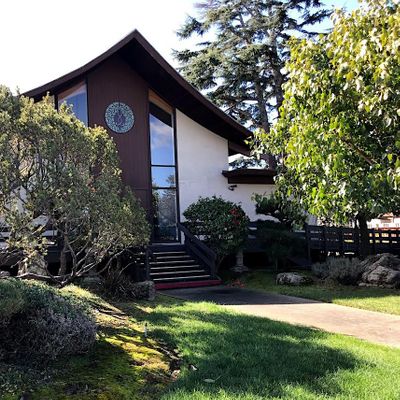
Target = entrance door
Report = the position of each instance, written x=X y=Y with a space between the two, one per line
x=163 y=175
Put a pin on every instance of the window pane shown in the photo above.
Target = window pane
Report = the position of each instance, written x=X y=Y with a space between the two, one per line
x=163 y=176
x=77 y=98
x=164 y=206
x=162 y=137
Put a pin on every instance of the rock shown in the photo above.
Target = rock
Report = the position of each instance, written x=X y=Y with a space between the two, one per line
x=292 y=278
x=381 y=270
x=240 y=269
x=4 y=274
x=144 y=290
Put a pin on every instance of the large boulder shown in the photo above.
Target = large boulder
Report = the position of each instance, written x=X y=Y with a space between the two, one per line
x=381 y=270
x=292 y=278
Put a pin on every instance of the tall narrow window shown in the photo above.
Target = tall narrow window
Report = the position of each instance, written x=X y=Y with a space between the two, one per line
x=76 y=97
x=163 y=173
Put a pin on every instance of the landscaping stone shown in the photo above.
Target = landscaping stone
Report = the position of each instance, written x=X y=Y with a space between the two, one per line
x=4 y=274
x=292 y=278
x=381 y=270
x=144 y=290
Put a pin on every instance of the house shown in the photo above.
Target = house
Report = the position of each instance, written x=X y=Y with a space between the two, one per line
x=173 y=143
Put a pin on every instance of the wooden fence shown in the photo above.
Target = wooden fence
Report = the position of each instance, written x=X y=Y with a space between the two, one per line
x=345 y=241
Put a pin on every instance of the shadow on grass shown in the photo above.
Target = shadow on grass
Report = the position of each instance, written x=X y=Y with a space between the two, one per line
x=249 y=357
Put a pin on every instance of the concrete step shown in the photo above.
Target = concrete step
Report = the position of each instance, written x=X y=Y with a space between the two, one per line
x=175 y=267
x=179 y=262
x=169 y=253
x=178 y=274
x=181 y=279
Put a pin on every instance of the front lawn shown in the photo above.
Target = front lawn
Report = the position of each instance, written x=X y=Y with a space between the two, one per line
x=368 y=298
x=230 y=356
x=225 y=356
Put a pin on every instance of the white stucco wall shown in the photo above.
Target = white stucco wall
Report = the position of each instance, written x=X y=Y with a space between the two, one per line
x=202 y=156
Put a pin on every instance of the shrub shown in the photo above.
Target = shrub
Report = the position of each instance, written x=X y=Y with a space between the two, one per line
x=342 y=270
x=11 y=300
x=222 y=225
x=286 y=211
x=47 y=325
x=122 y=287
x=279 y=241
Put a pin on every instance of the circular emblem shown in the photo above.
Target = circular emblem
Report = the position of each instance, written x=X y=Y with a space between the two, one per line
x=119 y=117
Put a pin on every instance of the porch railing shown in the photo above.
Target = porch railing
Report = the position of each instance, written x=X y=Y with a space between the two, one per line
x=195 y=247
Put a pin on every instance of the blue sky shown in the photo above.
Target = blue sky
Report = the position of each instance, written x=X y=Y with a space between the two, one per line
x=44 y=39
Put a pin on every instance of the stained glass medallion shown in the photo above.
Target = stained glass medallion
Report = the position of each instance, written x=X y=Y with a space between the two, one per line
x=119 y=117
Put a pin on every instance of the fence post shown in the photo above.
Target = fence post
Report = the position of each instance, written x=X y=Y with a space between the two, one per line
x=325 y=241
x=341 y=241
x=307 y=233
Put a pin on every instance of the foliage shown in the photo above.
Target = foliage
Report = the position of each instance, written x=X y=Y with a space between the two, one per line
x=342 y=270
x=57 y=173
x=279 y=242
x=11 y=300
x=46 y=325
x=338 y=131
x=122 y=364
x=248 y=162
x=120 y=286
x=222 y=224
x=240 y=65
x=287 y=212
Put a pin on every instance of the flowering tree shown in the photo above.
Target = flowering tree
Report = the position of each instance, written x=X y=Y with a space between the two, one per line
x=58 y=174
x=221 y=224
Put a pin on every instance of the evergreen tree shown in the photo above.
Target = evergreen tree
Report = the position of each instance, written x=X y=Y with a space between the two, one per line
x=240 y=67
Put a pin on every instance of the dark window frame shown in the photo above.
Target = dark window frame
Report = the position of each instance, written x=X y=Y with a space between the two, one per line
x=172 y=116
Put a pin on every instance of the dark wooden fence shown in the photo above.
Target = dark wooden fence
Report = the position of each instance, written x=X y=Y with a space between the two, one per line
x=343 y=241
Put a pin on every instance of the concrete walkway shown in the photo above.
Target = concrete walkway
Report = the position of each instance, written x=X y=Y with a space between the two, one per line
x=368 y=325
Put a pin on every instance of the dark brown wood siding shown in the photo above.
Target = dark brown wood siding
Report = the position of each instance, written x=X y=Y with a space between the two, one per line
x=115 y=80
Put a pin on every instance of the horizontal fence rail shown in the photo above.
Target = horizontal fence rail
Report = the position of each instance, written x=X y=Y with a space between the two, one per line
x=345 y=240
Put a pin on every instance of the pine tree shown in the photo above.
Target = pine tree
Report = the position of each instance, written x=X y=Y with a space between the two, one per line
x=240 y=68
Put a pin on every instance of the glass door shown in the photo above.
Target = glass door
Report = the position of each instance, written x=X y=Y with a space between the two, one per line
x=163 y=174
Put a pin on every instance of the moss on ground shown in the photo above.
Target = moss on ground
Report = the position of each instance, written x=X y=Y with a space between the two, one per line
x=123 y=364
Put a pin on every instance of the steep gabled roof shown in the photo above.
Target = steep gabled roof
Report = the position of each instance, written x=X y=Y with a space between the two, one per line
x=165 y=80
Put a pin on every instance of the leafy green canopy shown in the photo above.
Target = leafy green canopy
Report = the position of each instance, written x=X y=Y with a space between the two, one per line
x=338 y=135
x=57 y=173
x=241 y=64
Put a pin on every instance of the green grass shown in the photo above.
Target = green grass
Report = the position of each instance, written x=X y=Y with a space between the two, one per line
x=253 y=358
x=248 y=358
x=367 y=298
x=123 y=365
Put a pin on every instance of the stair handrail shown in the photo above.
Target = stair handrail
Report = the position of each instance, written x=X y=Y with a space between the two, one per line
x=199 y=249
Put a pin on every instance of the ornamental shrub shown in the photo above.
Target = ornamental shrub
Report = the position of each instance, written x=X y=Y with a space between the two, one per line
x=46 y=324
x=279 y=242
x=11 y=300
x=221 y=224
x=339 y=269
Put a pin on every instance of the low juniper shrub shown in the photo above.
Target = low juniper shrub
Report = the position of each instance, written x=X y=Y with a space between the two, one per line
x=44 y=324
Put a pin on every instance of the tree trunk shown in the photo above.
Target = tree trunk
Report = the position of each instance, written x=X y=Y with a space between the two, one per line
x=365 y=248
x=63 y=259
x=264 y=121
